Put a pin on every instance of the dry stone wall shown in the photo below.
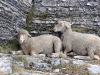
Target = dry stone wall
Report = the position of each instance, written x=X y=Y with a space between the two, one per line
x=78 y=12
x=12 y=16
x=83 y=13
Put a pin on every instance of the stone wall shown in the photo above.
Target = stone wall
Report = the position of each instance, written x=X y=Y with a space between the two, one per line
x=83 y=13
x=78 y=12
x=12 y=17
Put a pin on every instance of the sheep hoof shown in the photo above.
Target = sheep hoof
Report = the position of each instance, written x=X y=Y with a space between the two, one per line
x=58 y=55
x=12 y=52
x=96 y=57
x=55 y=55
x=62 y=55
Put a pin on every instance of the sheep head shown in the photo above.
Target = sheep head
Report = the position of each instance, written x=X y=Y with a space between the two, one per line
x=61 y=26
x=23 y=35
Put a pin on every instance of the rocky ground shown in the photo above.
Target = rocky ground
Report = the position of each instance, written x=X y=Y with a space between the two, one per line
x=40 y=64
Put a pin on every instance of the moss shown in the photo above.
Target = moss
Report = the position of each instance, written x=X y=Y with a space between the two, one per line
x=22 y=59
x=43 y=16
x=11 y=45
x=16 y=69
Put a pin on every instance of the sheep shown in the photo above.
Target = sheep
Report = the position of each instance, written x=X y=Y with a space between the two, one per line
x=80 y=43
x=46 y=44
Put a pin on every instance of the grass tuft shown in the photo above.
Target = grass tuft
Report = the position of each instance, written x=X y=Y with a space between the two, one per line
x=10 y=46
x=22 y=59
x=16 y=69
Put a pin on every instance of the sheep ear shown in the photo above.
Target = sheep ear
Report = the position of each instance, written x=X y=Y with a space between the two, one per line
x=63 y=24
x=29 y=35
x=16 y=35
x=68 y=25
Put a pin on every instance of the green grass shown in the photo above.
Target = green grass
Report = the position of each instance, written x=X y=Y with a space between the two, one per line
x=16 y=69
x=22 y=59
x=49 y=29
x=10 y=46
x=28 y=28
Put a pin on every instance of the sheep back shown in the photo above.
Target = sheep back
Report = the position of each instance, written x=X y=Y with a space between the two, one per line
x=46 y=44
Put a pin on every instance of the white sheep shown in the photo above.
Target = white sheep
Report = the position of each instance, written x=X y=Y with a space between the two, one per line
x=80 y=43
x=46 y=44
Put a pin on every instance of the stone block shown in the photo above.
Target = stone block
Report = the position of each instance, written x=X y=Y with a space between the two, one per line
x=5 y=63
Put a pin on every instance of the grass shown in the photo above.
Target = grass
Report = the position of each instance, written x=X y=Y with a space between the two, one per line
x=39 y=29
x=94 y=62
x=80 y=29
x=86 y=30
x=30 y=15
x=22 y=59
x=49 y=29
x=43 y=16
x=73 y=69
x=28 y=28
x=17 y=69
x=10 y=46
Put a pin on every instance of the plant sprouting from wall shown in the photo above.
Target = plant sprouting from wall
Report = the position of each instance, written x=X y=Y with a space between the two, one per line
x=30 y=15
x=43 y=16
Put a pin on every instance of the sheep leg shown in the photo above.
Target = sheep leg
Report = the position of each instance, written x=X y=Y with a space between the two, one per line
x=92 y=56
x=67 y=50
x=57 y=46
x=33 y=53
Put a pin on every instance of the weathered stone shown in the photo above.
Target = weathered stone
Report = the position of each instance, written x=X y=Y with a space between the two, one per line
x=94 y=69
x=12 y=16
x=41 y=65
x=5 y=63
x=63 y=61
x=20 y=64
x=55 y=62
x=78 y=62
x=56 y=70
